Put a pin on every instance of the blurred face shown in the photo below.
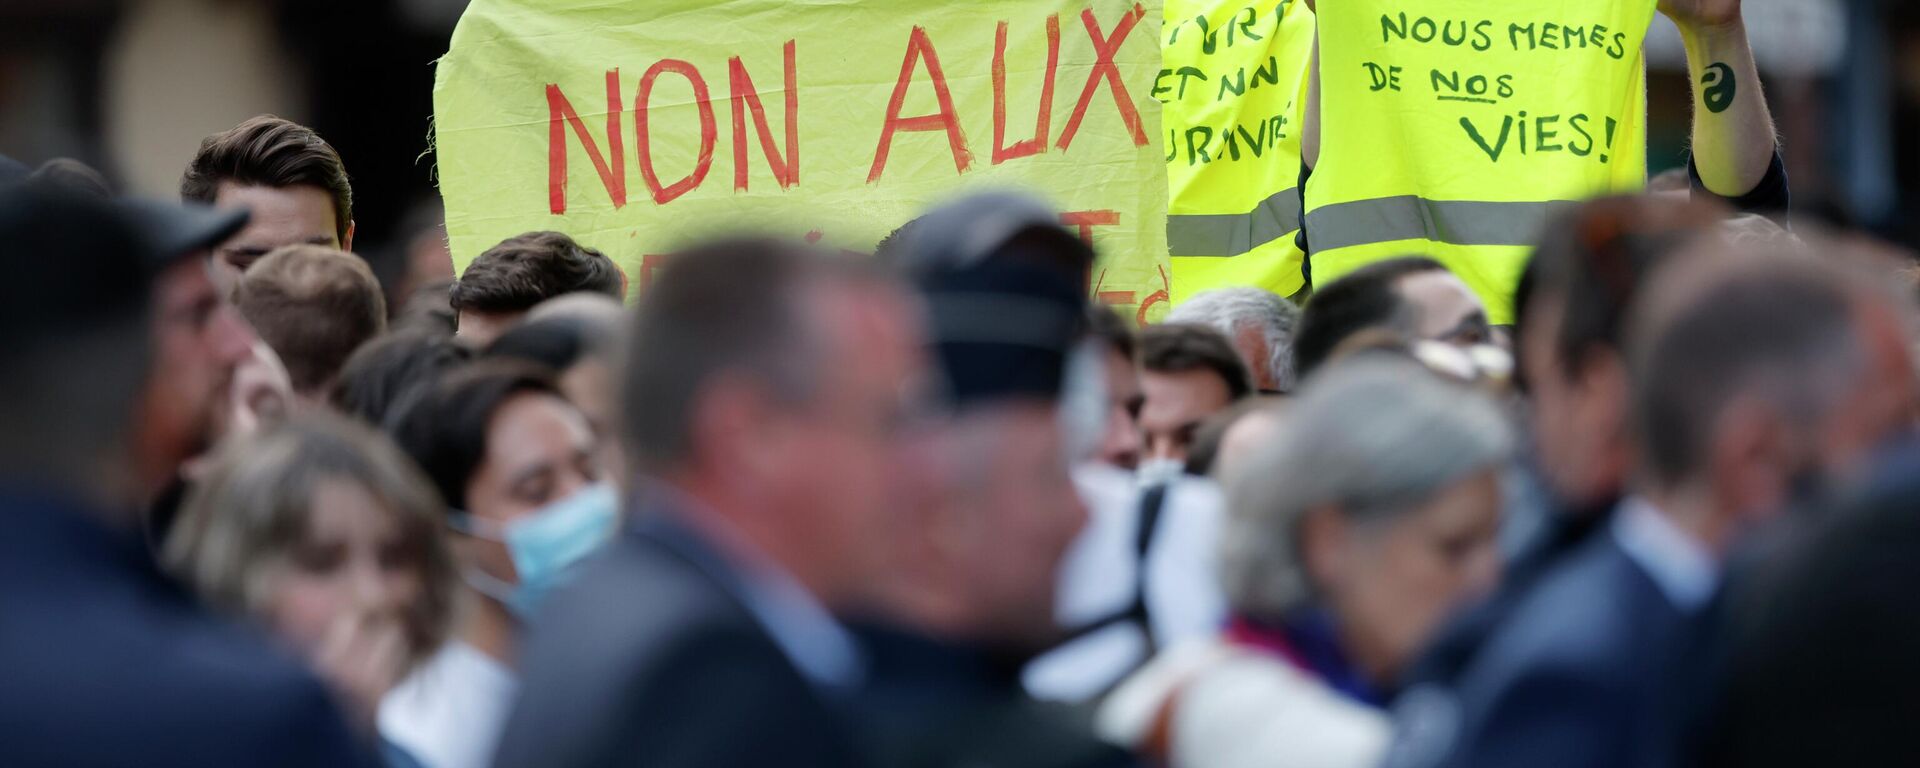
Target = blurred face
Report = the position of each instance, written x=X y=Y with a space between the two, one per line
x=1244 y=438
x=1175 y=404
x=589 y=386
x=1579 y=422
x=1449 y=311
x=1391 y=583
x=833 y=465
x=351 y=567
x=1120 y=443
x=199 y=339
x=1883 y=400
x=1014 y=513
x=262 y=393
x=278 y=216
x=540 y=450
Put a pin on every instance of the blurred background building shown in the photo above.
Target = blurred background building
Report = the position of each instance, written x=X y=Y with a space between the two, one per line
x=130 y=87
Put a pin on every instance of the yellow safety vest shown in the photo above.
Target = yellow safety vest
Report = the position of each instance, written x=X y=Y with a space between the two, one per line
x=1233 y=83
x=1453 y=129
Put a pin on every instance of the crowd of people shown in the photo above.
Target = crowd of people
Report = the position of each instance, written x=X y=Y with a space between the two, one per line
x=800 y=507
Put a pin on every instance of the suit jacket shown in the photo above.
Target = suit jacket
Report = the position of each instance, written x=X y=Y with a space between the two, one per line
x=105 y=662
x=933 y=704
x=651 y=658
x=1593 y=666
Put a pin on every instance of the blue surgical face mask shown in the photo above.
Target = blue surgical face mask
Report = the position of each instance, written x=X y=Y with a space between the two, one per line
x=545 y=546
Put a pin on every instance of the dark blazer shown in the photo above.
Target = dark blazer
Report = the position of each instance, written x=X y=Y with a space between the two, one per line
x=649 y=658
x=105 y=662
x=1590 y=668
x=1824 y=643
x=933 y=704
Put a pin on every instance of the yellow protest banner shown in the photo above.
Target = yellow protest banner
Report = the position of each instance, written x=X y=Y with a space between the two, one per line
x=1232 y=85
x=639 y=127
x=1453 y=129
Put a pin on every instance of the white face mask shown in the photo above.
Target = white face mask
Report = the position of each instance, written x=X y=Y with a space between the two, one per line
x=1157 y=471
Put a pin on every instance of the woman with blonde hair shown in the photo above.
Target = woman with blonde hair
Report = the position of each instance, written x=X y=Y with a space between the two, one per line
x=323 y=532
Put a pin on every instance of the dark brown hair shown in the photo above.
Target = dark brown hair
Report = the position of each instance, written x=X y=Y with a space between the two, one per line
x=1177 y=348
x=314 y=305
x=527 y=269
x=446 y=431
x=1368 y=297
x=383 y=376
x=1595 y=257
x=267 y=151
x=1105 y=324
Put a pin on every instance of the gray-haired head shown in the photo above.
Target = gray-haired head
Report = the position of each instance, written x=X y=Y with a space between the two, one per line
x=1374 y=437
x=1258 y=322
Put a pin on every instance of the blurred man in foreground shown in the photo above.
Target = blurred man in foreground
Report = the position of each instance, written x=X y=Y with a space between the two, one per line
x=970 y=599
x=106 y=662
x=764 y=391
x=1754 y=381
x=1573 y=310
x=200 y=339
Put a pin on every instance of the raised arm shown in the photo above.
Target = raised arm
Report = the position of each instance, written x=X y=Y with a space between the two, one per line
x=1733 y=133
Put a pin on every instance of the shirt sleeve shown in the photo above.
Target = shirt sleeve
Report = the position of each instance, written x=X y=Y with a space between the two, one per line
x=1771 y=196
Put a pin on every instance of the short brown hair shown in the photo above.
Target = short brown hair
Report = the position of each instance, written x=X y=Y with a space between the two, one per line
x=1178 y=348
x=267 y=151
x=314 y=305
x=527 y=269
x=254 y=507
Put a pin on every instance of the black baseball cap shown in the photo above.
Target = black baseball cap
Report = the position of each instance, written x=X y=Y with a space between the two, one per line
x=76 y=261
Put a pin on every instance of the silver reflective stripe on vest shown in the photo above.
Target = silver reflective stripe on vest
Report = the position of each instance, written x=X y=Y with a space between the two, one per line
x=1232 y=234
x=1456 y=222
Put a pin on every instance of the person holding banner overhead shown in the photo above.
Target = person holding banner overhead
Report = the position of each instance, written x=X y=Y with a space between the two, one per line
x=1455 y=132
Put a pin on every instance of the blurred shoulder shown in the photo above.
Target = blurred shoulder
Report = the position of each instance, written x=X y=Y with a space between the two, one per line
x=167 y=685
x=638 y=603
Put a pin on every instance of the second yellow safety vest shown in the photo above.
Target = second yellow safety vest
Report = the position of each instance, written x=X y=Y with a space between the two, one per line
x=1232 y=84
x=1453 y=129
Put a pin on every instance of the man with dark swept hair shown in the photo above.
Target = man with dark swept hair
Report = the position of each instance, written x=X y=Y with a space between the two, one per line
x=765 y=399
x=290 y=179
x=1187 y=373
x=507 y=280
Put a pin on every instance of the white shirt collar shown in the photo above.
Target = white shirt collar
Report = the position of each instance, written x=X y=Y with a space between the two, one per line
x=803 y=628
x=1680 y=566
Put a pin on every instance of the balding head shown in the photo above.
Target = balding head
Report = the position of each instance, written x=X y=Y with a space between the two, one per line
x=1753 y=369
x=769 y=381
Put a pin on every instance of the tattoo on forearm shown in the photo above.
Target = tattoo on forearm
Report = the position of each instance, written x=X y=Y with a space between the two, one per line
x=1717 y=87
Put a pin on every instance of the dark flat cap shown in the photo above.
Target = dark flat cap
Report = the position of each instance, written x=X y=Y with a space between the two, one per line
x=74 y=260
x=1005 y=289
